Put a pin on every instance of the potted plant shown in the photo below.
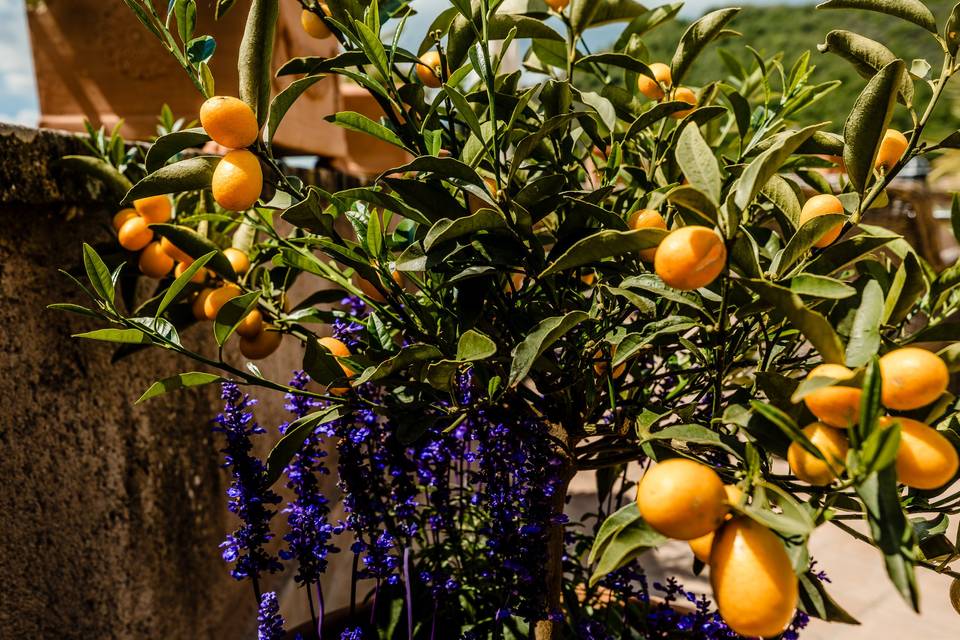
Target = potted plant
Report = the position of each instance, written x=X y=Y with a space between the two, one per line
x=563 y=281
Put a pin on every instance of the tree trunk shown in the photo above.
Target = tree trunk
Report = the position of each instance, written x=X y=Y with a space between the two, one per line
x=548 y=629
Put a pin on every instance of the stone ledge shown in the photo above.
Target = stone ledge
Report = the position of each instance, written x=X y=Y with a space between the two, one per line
x=30 y=172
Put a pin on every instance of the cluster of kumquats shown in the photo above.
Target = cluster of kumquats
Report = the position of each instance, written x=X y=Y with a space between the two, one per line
x=236 y=185
x=753 y=581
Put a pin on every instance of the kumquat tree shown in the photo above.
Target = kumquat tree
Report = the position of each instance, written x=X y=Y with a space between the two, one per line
x=653 y=281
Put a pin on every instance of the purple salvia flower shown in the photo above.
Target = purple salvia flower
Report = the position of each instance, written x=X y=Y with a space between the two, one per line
x=249 y=496
x=269 y=620
x=310 y=532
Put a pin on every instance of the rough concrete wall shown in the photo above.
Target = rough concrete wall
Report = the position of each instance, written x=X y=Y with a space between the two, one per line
x=112 y=514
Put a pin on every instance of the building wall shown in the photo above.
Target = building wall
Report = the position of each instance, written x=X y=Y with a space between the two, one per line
x=112 y=513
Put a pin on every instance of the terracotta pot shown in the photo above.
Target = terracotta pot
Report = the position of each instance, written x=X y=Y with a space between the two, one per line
x=95 y=61
x=366 y=156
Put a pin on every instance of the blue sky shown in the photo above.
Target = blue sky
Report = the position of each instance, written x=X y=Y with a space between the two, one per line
x=18 y=101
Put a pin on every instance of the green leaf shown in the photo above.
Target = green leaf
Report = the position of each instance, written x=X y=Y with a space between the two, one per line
x=695 y=38
x=474 y=345
x=805 y=238
x=185 y=12
x=197 y=246
x=955 y=213
x=178 y=285
x=868 y=121
x=816 y=602
x=865 y=333
x=284 y=100
x=231 y=313
x=73 y=308
x=693 y=200
x=912 y=286
x=821 y=287
x=698 y=163
x=787 y=425
x=870 y=405
x=410 y=354
x=308 y=214
x=191 y=174
x=605 y=244
x=362 y=124
x=541 y=338
x=321 y=365
x=125 y=336
x=612 y=525
x=951 y=32
x=169 y=145
x=867 y=57
x=891 y=532
x=910 y=10
x=446 y=230
x=179 y=381
x=811 y=324
x=593 y=13
x=690 y=434
x=625 y=545
x=99 y=275
x=768 y=163
x=255 y=59
x=292 y=440
x=115 y=181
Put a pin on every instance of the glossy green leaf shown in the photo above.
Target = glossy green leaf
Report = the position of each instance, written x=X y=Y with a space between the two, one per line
x=125 y=336
x=865 y=331
x=474 y=345
x=256 y=56
x=541 y=338
x=913 y=11
x=98 y=274
x=807 y=284
x=612 y=525
x=811 y=324
x=362 y=124
x=408 y=355
x=231 y=313
x=816 y=602
x=868 y=121
x=293 y=438
x=891 y=532
x=116 y=182
x=694 y=200
x=867 y=56
x=768 y=164
x=169 y=145
x=625 y=545
x=698 y=163
x=191 y=174
x=910 y=285
x=178 y=285
x=695 y=38
x=196 y=246
x=603 y=245
x=805 y=238
x=593 y=13
x=283 y=101
x=446 y=230
x=951 y=32
x=179 y=381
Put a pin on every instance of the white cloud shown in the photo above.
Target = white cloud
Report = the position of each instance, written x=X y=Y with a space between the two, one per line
x=25 y=117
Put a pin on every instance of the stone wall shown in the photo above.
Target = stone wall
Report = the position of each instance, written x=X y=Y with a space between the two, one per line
x=112 y=513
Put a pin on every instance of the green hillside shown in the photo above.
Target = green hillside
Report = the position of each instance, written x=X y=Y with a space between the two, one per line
x=793 y=30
